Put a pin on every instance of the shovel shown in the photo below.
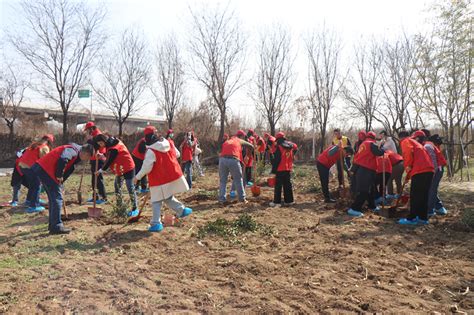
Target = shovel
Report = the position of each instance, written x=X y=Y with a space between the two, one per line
x=142 y=207
x=94 y=211
x=64 y=201
x=344 y=192
x=255 y=188
x=391 y=212
x=79 y=191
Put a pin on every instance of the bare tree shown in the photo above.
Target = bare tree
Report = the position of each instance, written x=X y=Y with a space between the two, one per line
x=323 y=49
x=61 y=39
x=124 y=76
x=361 y=90
x=12 y=94
x=170 y=78
x=397 y=76
x=274 y=78
x=217 y=46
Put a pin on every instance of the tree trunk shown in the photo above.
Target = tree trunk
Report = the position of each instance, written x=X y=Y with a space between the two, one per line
x=170 y=123
x=11 y=135
x=323 y=140
x=272 y=127
x=222 y=127
x=120 y=124
x=65 y=128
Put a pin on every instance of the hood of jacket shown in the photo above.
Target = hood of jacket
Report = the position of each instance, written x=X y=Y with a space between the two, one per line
x=162 y=145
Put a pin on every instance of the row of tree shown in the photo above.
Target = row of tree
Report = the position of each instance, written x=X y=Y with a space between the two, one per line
x=408 y=82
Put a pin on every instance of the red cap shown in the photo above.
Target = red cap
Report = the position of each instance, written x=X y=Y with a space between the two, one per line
x=170 y=131
x=226 y=136
x=240 y=133
x=418 y=133
x=149 y=130
x=89 y=125
x=266 y=134
x=49 y=137
x=251 y=131
x=371 y=135
x=280 y=135
x=362 y=135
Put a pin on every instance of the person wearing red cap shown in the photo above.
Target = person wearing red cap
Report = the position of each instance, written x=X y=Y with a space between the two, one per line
x=138 y=155
x=419 y=168
x=98 y=158
x=282 y=167
x=17 y=180
x=364 y=170
x=31 y=155
x=360 y=138
x=230 y=160
x=120 y=161
x=383 y=173
x=248 y=156
x=187 y=152
x=53 y=170
x=325 y=161
x=261 y=146
x=397 y=173
x=270 y=146
x=343 y=142
x=438 y=207
x=170 y=135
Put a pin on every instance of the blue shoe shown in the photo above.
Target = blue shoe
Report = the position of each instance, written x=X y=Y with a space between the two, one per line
x=250 y=184
x=186 y=212
x=43 y=202
x=378 y=200
x=442 y=211
x=376 y=210
x=100 y=201
x=354 y=213
x=144 y=191
x=133 y=213
x=422 y=222
x=14 y=204
x=431 y=213
x=156 y=227
x=408 y=221
x=232 y=194
x=35 y=209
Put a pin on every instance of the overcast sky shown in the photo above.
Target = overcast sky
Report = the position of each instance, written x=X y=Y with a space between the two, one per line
x=353 y=19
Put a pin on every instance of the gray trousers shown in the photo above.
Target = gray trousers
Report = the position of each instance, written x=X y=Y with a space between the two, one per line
x=433 y=200
x=397 y=173
x=171 y=202
x=230 y=166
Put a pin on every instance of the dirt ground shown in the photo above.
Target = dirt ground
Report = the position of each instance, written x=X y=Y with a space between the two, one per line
x=315 y=260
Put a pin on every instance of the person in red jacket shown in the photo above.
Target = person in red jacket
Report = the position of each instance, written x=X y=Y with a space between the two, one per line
x=166 y=180
x=247 y=154
x=435 y=204
x=397 y=173
x=282 y=166
x=170 y=135
x=364 y=169
x=419 y=168
x=31 y=155
x=138 y=155
x=383 y=172
x=230 y=160
x=98 y=158
x=261 y=145
x=325 y=161
x=17 y=179
x=120 y=161
x=53 y=170
x=187 y=152
x=270 y=146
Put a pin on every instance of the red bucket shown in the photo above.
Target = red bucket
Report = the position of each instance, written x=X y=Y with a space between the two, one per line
x=271 y=181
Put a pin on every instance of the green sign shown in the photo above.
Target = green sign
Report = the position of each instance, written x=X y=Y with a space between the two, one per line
x=83 y=93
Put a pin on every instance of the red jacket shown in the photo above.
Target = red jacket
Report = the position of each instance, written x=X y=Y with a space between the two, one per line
x=394 y=157
x=364 y=156
x=232 y=147
x=123 y=163
x=100 y=150
x=49 y=162
x=286 y=159
x=138 y=154
x=440 y=156
x=30 y=156
x=415 y=157
x=187 y=152
x=381 y=160
x=166 y=168
x=325 y=159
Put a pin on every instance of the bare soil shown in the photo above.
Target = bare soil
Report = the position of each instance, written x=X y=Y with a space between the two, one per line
x=316 y=260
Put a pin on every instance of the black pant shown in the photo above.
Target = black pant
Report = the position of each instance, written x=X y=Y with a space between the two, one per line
x=323 y=172
x=365 y=189
x=248 y=174
x=100 y=179
x=379 y=183
x=142 y=183
x=419 y=193
x=283 y=180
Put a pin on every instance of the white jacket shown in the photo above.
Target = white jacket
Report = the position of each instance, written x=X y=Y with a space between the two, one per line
x=165 y=191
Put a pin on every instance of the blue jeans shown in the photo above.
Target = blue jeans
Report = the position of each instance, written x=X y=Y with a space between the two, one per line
x=171 y=202
x=188 y=171
x=33 y=195
x=55 y=198
x=130 y=187
x=232 y=166
x=433 y=200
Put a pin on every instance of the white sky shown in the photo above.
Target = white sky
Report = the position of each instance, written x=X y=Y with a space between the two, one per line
x=354 y=19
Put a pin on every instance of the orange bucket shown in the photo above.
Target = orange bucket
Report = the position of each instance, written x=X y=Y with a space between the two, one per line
x=255 y=190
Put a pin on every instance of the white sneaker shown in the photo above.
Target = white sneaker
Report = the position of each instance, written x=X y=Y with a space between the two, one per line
x=275 y=205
